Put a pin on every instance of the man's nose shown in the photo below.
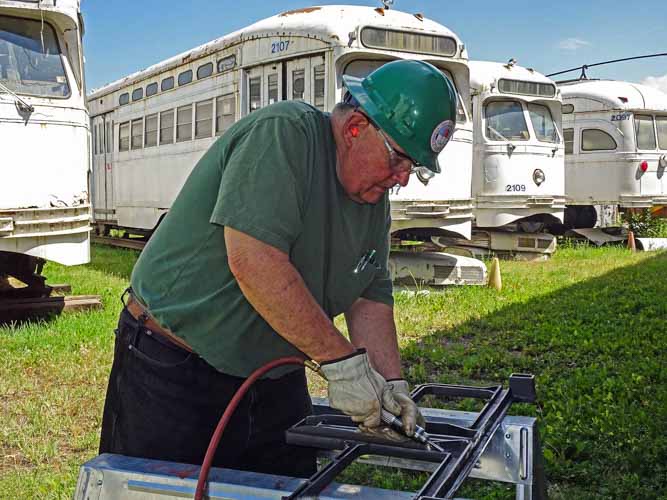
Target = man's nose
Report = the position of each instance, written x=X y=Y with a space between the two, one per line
x=402 y=178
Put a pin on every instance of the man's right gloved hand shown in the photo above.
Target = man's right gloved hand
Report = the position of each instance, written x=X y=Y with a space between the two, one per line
x=357 y=390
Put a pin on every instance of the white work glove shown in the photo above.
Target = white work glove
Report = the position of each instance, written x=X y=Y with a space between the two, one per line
x=410 y=414
x=357 y=390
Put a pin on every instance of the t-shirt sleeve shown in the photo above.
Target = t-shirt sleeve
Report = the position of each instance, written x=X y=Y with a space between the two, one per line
x=264 y=183
x=381 y=288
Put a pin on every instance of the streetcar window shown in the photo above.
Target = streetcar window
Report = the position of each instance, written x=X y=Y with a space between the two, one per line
x=568 y=137
x=184 y=123
x=661 y=125
x=167 y=127
x=526 y=88
x=225 y=108
x=185 y=77
x=150 y=137
x=298 y=84
x=167 y=84
x=273 y=88
x=318 y=87
x=100 y=139
x=30 y=58
x=380 y=38
x=362 y=68
x=204 y=119
x=124 y=99
x=204 y=71
x=567 y=109
x=137 y=134
x=505 y=121
x=138 y=94
x=109 y=127
x=543 y=123
x=594 y=139
x=124 y=137
x=460 y=113
x=151 y=89
x=645 y=132
x=227 y=63
x=255 y=85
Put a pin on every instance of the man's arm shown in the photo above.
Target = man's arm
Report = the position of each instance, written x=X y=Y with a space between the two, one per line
x=371 y=325
x=274 y=287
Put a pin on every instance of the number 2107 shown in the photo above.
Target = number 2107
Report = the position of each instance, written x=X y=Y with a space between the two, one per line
x=279 y=46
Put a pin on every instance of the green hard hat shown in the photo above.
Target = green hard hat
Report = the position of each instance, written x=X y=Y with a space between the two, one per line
x=413 y=102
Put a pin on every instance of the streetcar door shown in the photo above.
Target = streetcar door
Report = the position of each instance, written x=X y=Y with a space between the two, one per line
x=306 y=81
x=108 y=166
x=263 y=86
x=102 y=184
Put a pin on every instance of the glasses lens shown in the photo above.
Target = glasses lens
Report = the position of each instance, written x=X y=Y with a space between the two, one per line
x=398 y=162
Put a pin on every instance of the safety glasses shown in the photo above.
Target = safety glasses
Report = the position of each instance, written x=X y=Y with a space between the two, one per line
x=399 y=163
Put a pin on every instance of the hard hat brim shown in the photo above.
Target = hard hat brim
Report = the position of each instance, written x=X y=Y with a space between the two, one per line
x=355 y=87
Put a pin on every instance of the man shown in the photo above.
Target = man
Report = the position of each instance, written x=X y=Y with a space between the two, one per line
x=282 y=225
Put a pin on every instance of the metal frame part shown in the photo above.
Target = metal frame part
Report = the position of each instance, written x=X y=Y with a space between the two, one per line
x=463 y=445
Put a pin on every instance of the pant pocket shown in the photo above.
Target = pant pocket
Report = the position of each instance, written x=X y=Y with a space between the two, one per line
x=156 y=353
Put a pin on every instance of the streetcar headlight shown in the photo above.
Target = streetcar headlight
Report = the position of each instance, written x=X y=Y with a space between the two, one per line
x=538 y=176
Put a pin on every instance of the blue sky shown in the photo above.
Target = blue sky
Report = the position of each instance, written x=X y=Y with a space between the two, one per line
x=123 y=36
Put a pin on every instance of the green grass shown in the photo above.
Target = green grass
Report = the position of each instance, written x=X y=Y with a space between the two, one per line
x=589 y=323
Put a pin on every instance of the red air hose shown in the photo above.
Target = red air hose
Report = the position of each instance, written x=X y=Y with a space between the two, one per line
x=227 y=415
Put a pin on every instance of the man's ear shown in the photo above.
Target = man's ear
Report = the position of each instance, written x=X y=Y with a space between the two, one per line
x=354 y=126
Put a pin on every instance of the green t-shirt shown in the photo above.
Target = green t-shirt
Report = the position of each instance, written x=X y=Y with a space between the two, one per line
x=272 y=176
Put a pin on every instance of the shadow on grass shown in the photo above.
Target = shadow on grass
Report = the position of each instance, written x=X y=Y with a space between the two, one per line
x=598 y=350
x=113 y=261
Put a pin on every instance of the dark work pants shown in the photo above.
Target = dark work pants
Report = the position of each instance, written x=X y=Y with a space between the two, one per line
x=165 y=403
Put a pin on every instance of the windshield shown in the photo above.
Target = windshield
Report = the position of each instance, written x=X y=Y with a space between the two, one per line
x=505 y=121
x=543 y=124
x=362 y=68
x=30 y=61
x=644 y=131
x=661 y=125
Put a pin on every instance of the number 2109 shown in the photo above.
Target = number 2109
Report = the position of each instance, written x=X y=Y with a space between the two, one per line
x=515 y=187
x=279 y=46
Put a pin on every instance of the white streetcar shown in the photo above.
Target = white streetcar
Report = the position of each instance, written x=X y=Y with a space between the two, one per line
x=615 y=147
x=151 y=127
x=44 y=140
x=518 y=164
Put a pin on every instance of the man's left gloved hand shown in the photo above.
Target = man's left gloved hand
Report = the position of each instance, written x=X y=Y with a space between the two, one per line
x=410 y=414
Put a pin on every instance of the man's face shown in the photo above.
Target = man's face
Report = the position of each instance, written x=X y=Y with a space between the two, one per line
x=372 y=168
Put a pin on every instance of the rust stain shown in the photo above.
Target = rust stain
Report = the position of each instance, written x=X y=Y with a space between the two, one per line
x=380 y=11
x=179 y=471
x=186 y=58
x=299 y=11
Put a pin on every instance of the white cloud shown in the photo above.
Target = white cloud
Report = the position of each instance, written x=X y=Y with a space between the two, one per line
x=572 y=43
x=657 y=82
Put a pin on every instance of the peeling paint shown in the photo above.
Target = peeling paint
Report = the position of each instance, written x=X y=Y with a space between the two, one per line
x=299 y=11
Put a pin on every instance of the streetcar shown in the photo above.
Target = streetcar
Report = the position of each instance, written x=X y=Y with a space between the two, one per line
x=518 y=160
x=45 y=210
x=615 y=148
x=150 y=128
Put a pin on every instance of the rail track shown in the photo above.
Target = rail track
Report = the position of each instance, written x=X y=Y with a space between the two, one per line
x=132 y=243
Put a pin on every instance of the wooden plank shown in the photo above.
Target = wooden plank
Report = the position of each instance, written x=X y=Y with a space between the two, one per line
x=22 y=309
x=61 y=288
